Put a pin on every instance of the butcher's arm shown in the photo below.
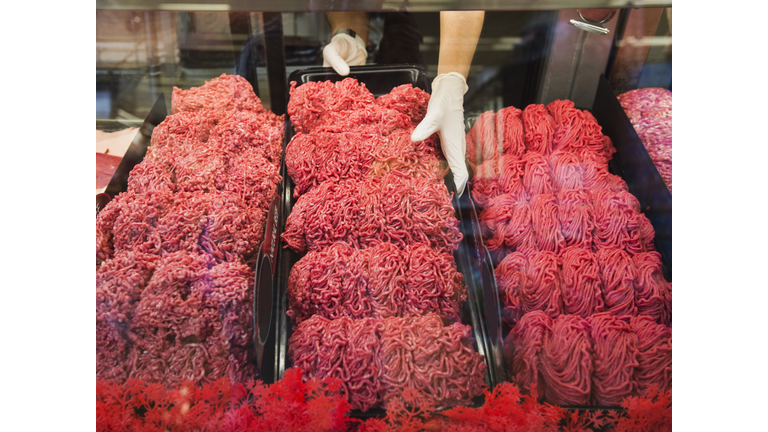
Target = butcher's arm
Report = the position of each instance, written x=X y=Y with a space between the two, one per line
x=357 y=21
x=459 y=33
x=346 y=50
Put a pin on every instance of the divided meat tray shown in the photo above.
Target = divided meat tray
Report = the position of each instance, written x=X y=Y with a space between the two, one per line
x=633 y=164
x=274 y=338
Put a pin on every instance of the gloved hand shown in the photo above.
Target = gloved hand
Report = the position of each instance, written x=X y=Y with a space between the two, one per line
x=344 y=51
x=445 y=115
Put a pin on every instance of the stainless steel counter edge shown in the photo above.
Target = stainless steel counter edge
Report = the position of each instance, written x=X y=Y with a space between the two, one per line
x=370 y=5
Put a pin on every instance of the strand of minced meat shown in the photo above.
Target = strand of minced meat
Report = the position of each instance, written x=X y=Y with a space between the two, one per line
x=394 y=209
x=378 y=359
x=567 y=170
x=543 y=288
x=618 y=274
x=502 y=175
x=537 y=178
x=619 y=222
x=615 y=359
x=596 y=219
x=522 y=347
x=510 y=132
x=380 y=282
x=653 y=294
x=566 y=361
x=546 y=223
x=654 y=358
x=582 y=284
x=539 y=129
x=511 y=277
x=576 y=216
x=507 y=226
x=324 y=156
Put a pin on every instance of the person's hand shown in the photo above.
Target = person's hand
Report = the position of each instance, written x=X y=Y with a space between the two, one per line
x=445 y=115
x=344 y=51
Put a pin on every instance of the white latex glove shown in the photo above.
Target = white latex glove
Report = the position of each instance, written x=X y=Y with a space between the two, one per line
x=344 y=51
x=445 y=115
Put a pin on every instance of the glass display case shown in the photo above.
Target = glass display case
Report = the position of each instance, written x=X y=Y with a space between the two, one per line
x=258 y=214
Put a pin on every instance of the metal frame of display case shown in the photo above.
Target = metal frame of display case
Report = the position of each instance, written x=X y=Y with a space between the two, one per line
x=370 y=5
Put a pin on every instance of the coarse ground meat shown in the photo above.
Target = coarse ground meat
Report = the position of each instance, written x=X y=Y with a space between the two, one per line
x=311 y=103
x=378 y=359
x=175 y=252
x=395 y=209
x=381 y=282
x=331 y=156
x=408 y=100
x=221 y=95
x=650 y=111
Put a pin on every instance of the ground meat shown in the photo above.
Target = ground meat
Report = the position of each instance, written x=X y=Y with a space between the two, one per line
x=377 y=359
x=509 y=131
x=152 y=176
x=503 y=175
x=653 y=294
x=408 y=100
x=184 y=126
x=619 y=223
x=507 y=227
x=119 y=284
x=245 y=130
x=332 y=156
x=654 y=357
x=618 y=274
x=546 y=223
x=232 y=230
x=597 y=360
x=650 y=111
x=221 y=95
x=543 y=289
x=174 y=289
x=576 y=216
x=582 y=282
x=537 y=178
x=511 y=278
x=311 y=103
x=539 y=129
x=566 y=362
x=188 y=319
x=380 y=282
x=567 y=170
x=522 y=347
x=394 y=209
x=252 y=178
x=615 y=359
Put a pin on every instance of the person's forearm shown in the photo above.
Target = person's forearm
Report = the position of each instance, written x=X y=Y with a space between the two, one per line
x=459 y=32
x=357 y=21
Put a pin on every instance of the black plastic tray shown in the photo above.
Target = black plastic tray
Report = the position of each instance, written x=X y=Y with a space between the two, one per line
x=634 y=165
x=380 y=80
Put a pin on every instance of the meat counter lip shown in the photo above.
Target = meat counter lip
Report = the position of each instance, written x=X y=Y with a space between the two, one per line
x=633 y=164
x=381 y=80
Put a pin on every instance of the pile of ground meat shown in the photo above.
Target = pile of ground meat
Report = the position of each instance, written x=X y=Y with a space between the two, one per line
x=381 y=281
x=650 y=111
x=575 y=256
x=175 y=253
x=376 y=222
x=378 y=359
x=596 y=360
